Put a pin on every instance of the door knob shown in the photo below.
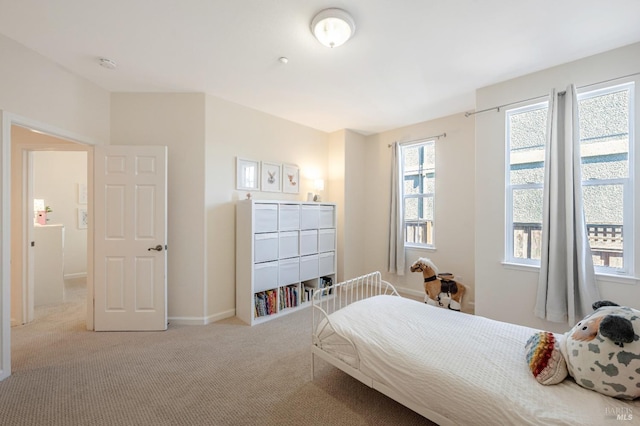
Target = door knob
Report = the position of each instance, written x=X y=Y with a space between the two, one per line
x=156 y=248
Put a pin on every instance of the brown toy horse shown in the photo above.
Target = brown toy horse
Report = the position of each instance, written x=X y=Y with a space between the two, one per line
x=435 y=284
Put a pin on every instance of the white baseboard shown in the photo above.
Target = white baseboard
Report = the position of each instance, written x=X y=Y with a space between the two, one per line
x=202 y=320
x=222 y=315
x=186 y=321
x=467 y=306
x=411 y=292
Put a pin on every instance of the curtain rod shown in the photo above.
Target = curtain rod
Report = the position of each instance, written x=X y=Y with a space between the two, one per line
x=441 y=135
x=497 y=108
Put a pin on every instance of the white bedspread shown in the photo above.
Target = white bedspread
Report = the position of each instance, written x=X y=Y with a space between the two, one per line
x=469 y=369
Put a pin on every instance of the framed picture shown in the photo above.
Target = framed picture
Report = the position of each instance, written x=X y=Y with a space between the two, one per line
x=290 y=179
x=247 y=174
x=83 y=219
x=82 y=193
x=271 y=177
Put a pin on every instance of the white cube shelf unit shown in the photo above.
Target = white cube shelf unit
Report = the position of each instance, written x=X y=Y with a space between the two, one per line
x=284 y=250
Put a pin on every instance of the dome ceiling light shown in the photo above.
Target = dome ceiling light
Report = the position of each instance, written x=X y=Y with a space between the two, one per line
x=333 y=27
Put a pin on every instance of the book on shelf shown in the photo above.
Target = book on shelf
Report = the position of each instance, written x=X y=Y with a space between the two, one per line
x=260 y=305
x=265 y=303
x=289 y=296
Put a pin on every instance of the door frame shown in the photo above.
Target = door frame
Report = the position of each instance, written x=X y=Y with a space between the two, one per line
x=7 y=120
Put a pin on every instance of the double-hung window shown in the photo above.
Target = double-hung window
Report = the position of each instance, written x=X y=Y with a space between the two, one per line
x=606 y=144
x=418 y=191
x=526 y=129
x=606 y=128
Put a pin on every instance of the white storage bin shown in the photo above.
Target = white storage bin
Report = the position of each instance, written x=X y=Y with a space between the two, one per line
x=308 y=242
x=289 y=271
x=266 y=217
x=326 y=240
x=289 y=217
x=265 y=276
x=309 y=216
x=266 y=247
x=326 y=262
x=327 y=216
x=308 y=267
x=289 y=243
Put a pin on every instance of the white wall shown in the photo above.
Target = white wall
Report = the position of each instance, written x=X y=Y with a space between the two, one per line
x=455 y=205
x=32 y=86
x=231 y=131
x=335 y=184
x=346 y=183
x=37 y=91
x=507 y=293
x=355 y=206
x=175 y=120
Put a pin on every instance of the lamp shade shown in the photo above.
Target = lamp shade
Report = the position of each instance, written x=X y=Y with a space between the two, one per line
x=333 y=27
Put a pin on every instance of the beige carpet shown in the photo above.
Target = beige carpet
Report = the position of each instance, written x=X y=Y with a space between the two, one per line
x=225 y=373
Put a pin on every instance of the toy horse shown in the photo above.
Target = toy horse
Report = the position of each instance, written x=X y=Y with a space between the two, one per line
x=435 y=284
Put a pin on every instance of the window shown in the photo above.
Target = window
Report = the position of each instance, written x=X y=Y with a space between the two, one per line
x=526 y=129
x=418 y=189
x=606 y=128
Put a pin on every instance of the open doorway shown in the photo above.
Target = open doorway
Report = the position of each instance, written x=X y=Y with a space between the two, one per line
x=60 y=234
x=49 y=240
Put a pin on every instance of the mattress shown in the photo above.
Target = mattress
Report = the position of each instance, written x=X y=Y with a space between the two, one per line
x=469 y=369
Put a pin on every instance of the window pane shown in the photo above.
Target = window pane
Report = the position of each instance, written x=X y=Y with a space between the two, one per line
x=527 y=205
x=604 y=116
x=605 y=166
x=419 y=184
x=527 y=241
x=419 y=158
x=418 y=189
x=526 y=145
x=418 y=219
x=604 y=135
x=416 y=208
x=527 y=173
x=527 y=223
x=412 y=184
x=603 y=209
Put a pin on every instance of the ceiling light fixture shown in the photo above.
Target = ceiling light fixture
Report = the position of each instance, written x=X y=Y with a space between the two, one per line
x=333 y=27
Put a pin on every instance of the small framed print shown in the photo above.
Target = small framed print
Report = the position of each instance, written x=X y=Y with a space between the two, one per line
x=271 y=177
x=290 y=179
x=247 y=174
x=83 y=219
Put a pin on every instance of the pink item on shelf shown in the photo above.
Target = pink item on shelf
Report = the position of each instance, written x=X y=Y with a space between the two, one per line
x=42 y=217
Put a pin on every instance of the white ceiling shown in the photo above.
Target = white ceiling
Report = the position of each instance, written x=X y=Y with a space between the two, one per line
x=410 y=60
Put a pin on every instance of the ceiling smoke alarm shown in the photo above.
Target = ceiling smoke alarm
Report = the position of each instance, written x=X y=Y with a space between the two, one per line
x=107 y=63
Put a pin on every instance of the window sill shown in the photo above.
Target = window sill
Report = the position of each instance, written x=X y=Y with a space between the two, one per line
x=611 y=278
x=521 y=266
x=419 y=247
x=618 y=279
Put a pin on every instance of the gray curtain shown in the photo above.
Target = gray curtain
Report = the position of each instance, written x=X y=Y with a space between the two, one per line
x=396 y=233
x=567 y=285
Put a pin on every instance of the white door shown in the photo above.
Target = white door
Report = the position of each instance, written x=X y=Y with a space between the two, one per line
x=130 y=214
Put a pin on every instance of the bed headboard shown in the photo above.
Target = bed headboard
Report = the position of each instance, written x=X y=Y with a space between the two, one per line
x=330 y=299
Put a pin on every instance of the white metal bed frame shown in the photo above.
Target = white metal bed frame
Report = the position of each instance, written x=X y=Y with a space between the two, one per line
x=331 y=299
